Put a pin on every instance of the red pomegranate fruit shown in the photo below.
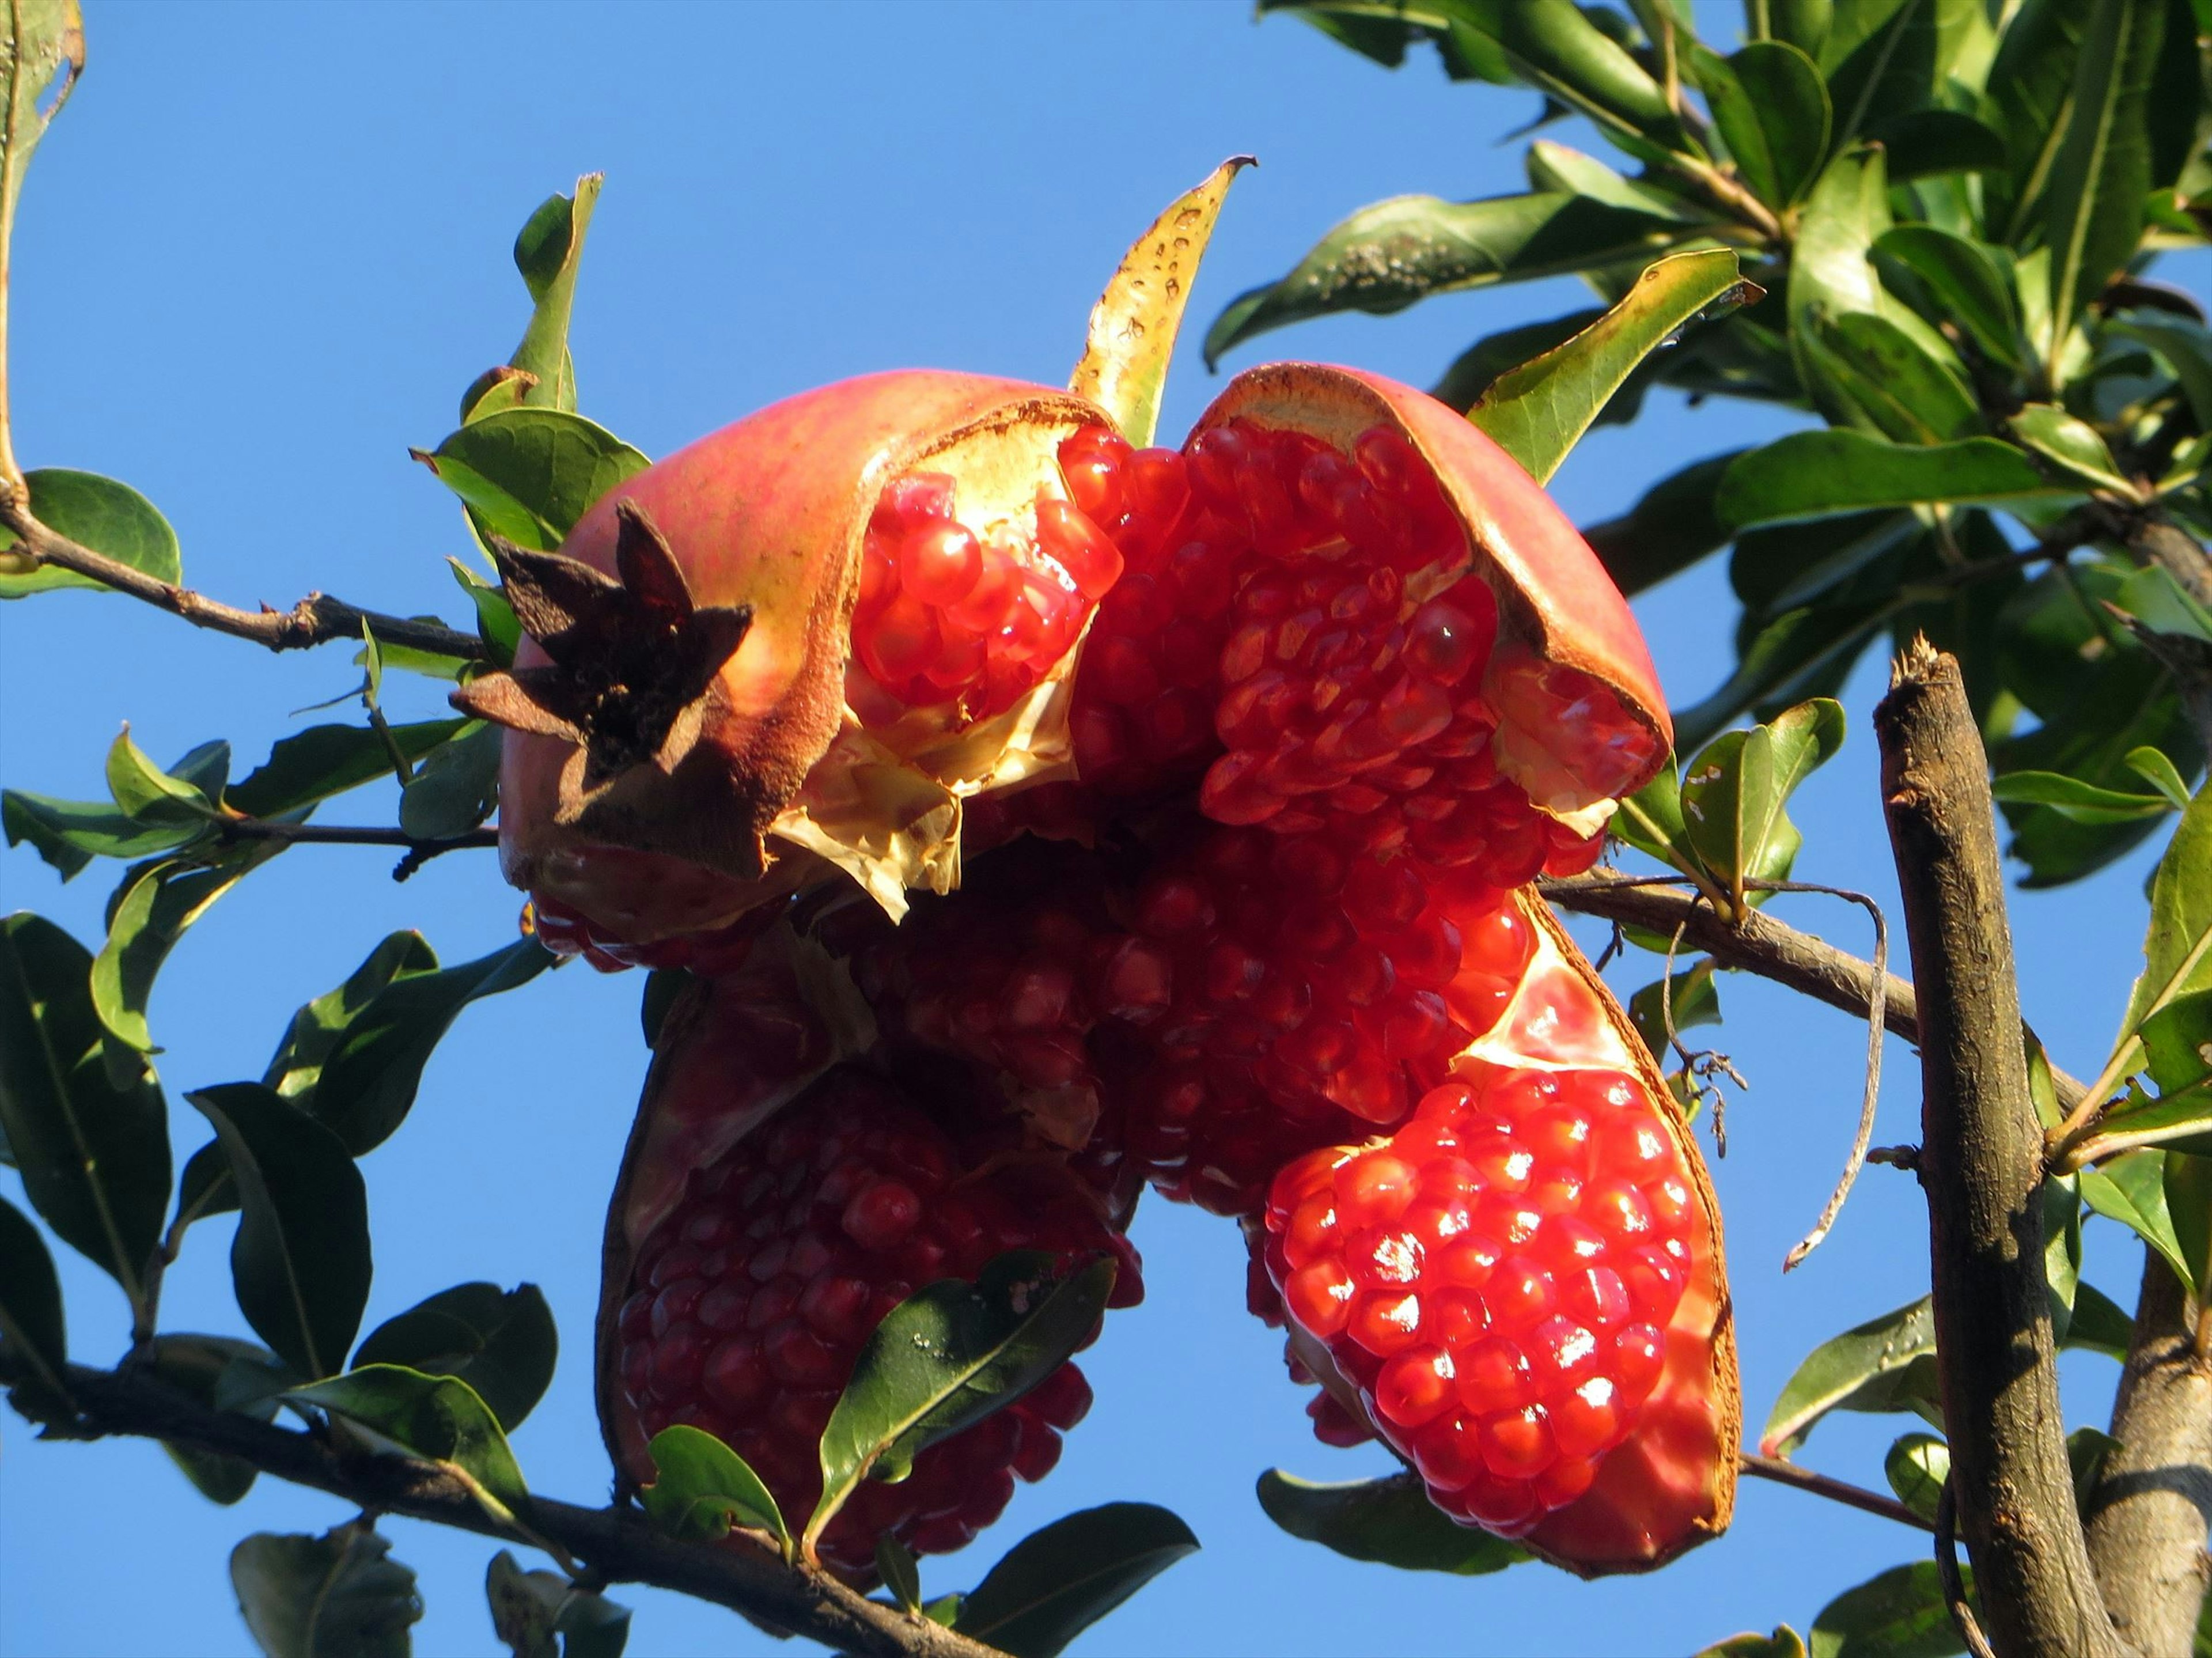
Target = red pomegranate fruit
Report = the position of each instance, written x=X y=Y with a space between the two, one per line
x=771 y=1213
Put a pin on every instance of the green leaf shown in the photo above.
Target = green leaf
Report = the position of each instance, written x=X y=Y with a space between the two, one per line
x=368 y=1082
x=541 y=1614
x=1058 y=1581
x=2073 y=445
x=2083 y=803
x=318 y=1026
x=339 y=1595
x=437 y=1418
x=704 y=1488
x=1389 y=1521
x=154 y=907
x=1887 y=1364
x=1556 y=166
x=1971 y=281
x=94 y=1149
x=2154 y=767
x=1650 y=820
x=1671 y=528
x=948 y=1356
x=547 y=254
x=1883 y=57
x=2185 y=346
x=496 y=622
x=1771 y=108
x=1926 y=143
x=1476 y=369
x=1812 y=475
x=2180 y=913
x=45 y=54
x=529 y=474
x=69 y=834
x=2188 y=1186
x=2099 y=1326
x=1384 y=258
x=1735 y=793
x=896 y=1565
x=1693 y=1000
x=1918 y=1465
x=2101 y=173
x=2131 y=1190
x=2031 y=80
x=196 y=1365
x=300 y=1263
x=31 y=1317
x=1783 y=1644
x=1900 y=1614
x=1537 y=412
x=501 y=1342
x=142 y=789
x=1882 y=378
x=97 y=512
x=313 y=765
x=457 y=788
x=2177 y=1042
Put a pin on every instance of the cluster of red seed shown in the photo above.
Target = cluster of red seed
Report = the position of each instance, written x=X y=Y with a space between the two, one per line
x=752 y=1302
x=947 y=615
x=1496 y=1279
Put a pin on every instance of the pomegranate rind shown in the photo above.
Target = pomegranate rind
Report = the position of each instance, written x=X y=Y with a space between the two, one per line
x=771 y=511
x=1553 y=589
x=1672 y=1484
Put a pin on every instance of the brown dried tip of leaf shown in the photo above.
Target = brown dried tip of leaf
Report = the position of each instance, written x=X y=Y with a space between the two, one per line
x=631 y=658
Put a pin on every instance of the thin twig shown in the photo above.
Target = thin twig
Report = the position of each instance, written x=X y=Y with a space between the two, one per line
x=616 y=1543
x=1784 y=1472
x=1878 y=984
x=1954 y=1582
x=318 y=619
x=349 y=834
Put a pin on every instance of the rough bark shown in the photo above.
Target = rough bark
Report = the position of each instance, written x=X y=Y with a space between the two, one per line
x=1981 y=1163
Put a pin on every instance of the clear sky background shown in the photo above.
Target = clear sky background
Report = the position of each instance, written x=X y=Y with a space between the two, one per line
x=264 y=252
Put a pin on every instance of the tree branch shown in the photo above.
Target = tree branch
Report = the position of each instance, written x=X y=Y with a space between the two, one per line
x=617 y=1544
x=1761 y=945
x=1981 y=1165
x=1783 y=1472
x=318 y=619
x=2146 y=1517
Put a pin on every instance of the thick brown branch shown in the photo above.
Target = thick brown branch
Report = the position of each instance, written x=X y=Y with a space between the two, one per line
x=2146 y=1518
x=615 y=1543
x=1981 y=1165
x=318 y=619
x=1763 y=946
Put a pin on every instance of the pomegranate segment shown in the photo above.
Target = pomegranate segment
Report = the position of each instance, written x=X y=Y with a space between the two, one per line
x=1496 y=1279
x=749 y=1301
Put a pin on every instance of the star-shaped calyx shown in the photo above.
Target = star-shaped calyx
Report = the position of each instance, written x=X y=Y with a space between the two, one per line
x=632 y=658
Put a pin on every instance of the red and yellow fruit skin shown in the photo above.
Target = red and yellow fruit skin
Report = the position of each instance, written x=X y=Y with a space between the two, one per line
x=1672 y=1484
x=768 y=511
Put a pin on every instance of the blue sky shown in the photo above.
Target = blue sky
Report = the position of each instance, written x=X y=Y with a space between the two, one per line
x=261 y=255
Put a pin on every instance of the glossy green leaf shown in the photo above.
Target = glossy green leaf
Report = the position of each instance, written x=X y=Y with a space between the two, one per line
x=318 y=1026
x=2180 y=913
x=97 y=512
x=44 y=57
x=1810 y=648
x=2180 y=1120
x=2102 y=172
x=313 y=765
x=2031 y=79
x=948 y=1356
x=1918 y=1465
x=1384 y=258
x=142 y=789
x=704 y=1488
x=197 y=1365
x=501 y=1342
x=1552 y=166
x=547 y=254
x=901 y=1575
x=1887 y=1364
x=1810 y=474
x=2071 y=444
x=69 y=834
x=2100 y=1325
x=496 y=622
x=299 y=1262
x=2185 y=346
x=2177 y=1042
x=369 y=1080
x=1880 y=378
x=1735 y=793
x=2131 y=1190
x=1476 y=369
x=2084 y=803
x=1058 y=1581
x=340 y=1595
x=31 y=1322
x=94 y=1149
x=2062 y=1249
x=1900 y=1614
x=1554 y=46
x=1538 y=411
x=1881 y=57
x=2154 y=767
x=1925 y=144
x=1803 y=23
x=1693 y=999
x=529 y=474
x=1771 y=108
x=2188 y=1188
x=1650 y=820
x=1672 y=527
x=438 y=1419
x=456 y=788
x=153 y=908
x=1970 y=281
x=542 y=1614
x=1389 y=1520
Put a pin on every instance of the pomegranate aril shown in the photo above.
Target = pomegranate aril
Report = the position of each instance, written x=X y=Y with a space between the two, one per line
x=939 y=564
x=1092 y=461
